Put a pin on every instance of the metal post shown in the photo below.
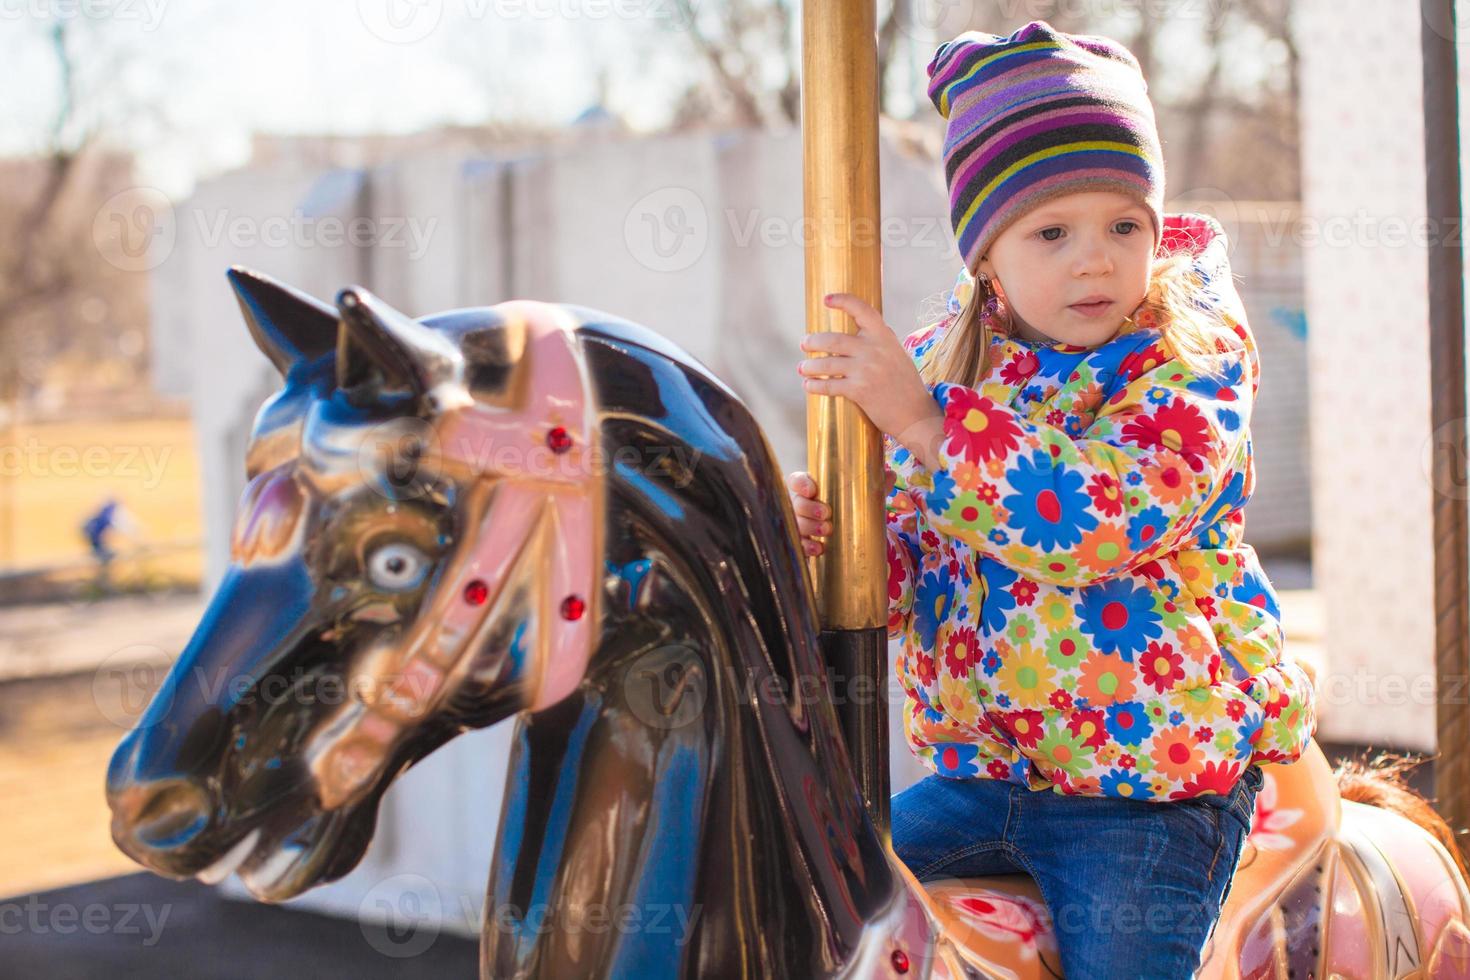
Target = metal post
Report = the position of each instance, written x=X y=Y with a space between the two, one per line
x=1447 y=392
x=839 y=114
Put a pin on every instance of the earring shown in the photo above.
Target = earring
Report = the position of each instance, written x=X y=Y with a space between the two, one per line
x=990 y=311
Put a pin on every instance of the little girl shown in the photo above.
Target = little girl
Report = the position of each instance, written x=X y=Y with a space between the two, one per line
x=1070 y=456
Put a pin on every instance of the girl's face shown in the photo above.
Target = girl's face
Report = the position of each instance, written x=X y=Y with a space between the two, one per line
x=1071 y=249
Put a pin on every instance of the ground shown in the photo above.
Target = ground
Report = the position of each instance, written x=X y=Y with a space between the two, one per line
x=71 y=904
x=56 y=474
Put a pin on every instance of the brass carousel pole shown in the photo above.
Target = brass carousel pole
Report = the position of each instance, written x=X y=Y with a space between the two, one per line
x=1447 y=405
x=839 y=124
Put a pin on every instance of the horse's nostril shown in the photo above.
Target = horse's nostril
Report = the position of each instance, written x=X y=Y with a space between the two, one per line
x=171 y=815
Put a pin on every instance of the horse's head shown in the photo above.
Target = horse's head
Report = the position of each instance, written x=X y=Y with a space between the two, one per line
x=417 y=552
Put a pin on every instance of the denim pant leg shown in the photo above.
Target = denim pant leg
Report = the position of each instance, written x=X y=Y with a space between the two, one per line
x=1134 y=887
x=954 y=828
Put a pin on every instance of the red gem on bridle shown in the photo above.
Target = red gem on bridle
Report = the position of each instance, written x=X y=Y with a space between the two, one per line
x=476 y=592
x=558 y=440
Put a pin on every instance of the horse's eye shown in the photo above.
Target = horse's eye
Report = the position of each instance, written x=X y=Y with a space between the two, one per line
x=397 y=567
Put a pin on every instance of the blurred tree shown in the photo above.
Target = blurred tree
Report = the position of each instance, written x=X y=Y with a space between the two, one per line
x=58 y=293
x=56 y=288
x=754 y=62
x=31 y=273
x=1222 y=73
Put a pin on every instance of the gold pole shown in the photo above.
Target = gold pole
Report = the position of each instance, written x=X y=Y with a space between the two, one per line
x=839 y=141
x=839 y=110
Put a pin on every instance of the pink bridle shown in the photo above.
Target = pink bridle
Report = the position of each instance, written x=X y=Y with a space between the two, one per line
x=545 y=507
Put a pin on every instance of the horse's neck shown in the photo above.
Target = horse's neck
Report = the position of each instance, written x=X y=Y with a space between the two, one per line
x=649 y=833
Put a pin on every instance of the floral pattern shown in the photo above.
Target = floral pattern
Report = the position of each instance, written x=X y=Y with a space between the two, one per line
x=1270 y=822
x=1077 y=606
x=1009 y=918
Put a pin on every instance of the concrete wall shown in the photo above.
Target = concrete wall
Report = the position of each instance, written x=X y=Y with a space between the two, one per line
x=1279 y=515
x=1363 y=160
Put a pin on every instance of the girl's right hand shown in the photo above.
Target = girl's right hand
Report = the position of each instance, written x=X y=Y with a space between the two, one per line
x=813 y=518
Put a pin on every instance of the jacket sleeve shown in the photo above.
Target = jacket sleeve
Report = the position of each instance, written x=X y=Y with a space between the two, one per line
x=902 y=532
x=908 y=471
x=903 y=560
x=1075 y=511
x=1232 y=590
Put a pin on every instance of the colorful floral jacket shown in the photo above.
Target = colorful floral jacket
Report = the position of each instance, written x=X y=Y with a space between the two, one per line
x=1078 y=610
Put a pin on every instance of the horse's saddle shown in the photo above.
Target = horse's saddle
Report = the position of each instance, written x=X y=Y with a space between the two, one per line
x=1314 y=868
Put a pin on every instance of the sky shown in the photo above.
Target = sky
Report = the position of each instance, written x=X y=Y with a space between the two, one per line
x=210 y=72
x=193 y=78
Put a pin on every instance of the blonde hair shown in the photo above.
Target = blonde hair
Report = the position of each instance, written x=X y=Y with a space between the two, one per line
x=1196 y=333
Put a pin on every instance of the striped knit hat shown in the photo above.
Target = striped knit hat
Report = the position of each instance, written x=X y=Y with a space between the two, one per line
x=1037 y=115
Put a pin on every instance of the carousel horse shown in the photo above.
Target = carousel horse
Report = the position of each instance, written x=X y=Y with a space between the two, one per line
x=545 y=511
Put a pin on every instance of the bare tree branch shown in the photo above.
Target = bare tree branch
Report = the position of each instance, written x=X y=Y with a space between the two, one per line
x=30 y=274
x=738 y=41
x=1142 y=44
x=49 y=262
x=790 y=94
x=734 y=85
x=1206 y=100
x=887 y=45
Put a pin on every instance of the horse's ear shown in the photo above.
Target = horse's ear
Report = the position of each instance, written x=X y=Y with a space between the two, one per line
x=288 y=326
x=407 y=353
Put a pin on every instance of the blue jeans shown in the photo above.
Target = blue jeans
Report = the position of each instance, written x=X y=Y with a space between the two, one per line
x=1134 y=887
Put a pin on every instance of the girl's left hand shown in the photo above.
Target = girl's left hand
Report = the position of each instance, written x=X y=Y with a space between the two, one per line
x=871 y=367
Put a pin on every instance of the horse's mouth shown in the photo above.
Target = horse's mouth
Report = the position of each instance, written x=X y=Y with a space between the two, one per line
x=232 y=859
x=279 y=873
x=270 y=874
x=274 y=870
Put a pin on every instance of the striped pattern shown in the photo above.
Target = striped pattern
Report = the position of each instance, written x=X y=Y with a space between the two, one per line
x=1037 y=115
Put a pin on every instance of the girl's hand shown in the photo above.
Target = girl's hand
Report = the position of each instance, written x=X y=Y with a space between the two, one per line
x=870 y=367
x=813 y=517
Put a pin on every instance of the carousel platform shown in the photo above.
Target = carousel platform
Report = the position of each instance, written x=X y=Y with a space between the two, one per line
x=143 y=926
